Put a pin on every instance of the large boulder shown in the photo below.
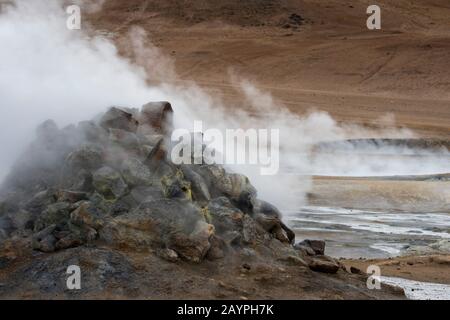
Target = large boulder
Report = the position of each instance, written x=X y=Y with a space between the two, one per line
x=109 y=183
x=55 y=214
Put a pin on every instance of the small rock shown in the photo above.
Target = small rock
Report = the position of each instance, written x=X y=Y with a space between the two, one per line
x=116 y=118
x=70 y=196
x=294 y=260
x=44 y=240
x=125 y=139
x=355 y=270
x=324 y=264
x=305 y=250
x=155 y=117
x=136 y=173
x=109 y=183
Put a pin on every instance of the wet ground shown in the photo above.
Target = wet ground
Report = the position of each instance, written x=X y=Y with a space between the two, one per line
x=353 y=233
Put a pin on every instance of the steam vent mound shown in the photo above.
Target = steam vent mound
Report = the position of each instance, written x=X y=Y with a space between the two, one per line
x=103 y=195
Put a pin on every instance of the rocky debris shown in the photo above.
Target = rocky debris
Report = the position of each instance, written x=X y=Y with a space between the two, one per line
x=109 y=183
x=87 y=157
x=114 y=187
x=136 y=173
x=116 y=118
x=124 y=139
x=438 y=247
x=311 y=247
x=156 y=118
x=44 y=239
x=324 y=264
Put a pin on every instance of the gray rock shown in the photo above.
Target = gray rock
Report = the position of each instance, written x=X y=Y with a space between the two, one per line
x=109 y=183
x=136 y=173
x=55 y=214
x=318 y=246
x=306 y=251
x=125 y=139
x=294 y=260
x=252 y=232
x=87 y=156
x=70 y=196
x=174 y=224
x=92 y=132
x=116 y=118
x=217 y=249
x=199 y=188
x=44 y=240
x=87 y=214
x=174 y=186
x=21 y=219
x=146 y=193
x=224 y=216
x=48 y=132
x=69 y=241
x=156 y=118
x=167 y=254
x=324 y=264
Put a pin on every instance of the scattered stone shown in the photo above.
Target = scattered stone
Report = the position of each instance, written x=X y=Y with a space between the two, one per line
x=136 y=173
x=305 y=250
x=156 y=118
x=69 y=241
x=44 y=240
x=55 y=214
x=355 y=270
x=125 y=139
x=199 y=188
x=217 y=248
x=109 y=183
x=116 y=118
x=175 y=186
x=294 y=260
x=87 y=156
x=323 y=264
x=168 y=254
x=318 y=246
x=70 y=196
x=224 y=216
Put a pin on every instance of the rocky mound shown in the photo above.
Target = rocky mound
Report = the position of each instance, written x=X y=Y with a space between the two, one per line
x=104 y=194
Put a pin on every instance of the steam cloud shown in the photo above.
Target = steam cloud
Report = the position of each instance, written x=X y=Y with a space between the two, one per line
x=48 y=71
